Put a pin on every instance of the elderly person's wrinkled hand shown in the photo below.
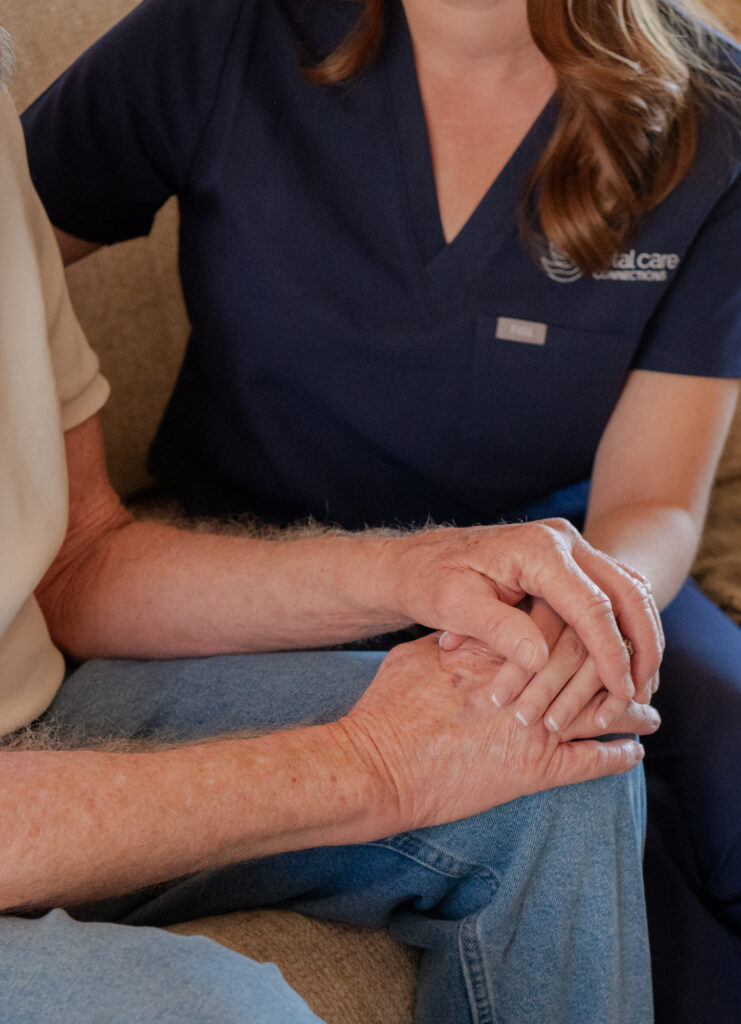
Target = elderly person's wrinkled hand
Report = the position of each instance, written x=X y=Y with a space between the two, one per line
x=428 y=729
x=469 y=581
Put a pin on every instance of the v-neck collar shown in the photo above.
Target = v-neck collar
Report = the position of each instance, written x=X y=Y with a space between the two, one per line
x=492 y=219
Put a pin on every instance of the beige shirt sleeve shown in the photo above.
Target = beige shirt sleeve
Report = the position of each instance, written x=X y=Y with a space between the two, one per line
x=80 y=387
x=49 y=382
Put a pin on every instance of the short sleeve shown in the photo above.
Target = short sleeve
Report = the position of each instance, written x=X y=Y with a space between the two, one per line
x=696 y=330
x=27 y=233
x=114 y=136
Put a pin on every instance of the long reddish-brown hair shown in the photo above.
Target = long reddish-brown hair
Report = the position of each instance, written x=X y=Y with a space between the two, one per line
x=632 y=78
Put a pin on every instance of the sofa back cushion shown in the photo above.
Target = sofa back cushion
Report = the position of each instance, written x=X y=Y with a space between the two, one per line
x=127 y=297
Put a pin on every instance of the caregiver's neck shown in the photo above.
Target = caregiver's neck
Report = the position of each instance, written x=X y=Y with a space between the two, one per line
x=458 y=38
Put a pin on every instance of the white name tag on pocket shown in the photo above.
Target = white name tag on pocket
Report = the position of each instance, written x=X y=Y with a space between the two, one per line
x=527 y=331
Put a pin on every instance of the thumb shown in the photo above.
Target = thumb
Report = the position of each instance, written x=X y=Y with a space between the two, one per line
x=472 y=610
x=512 y=634
x=590 y=759
x=451 y=641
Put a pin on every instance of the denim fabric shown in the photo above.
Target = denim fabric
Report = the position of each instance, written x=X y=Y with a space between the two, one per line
x=530 y=913
x=57 y=970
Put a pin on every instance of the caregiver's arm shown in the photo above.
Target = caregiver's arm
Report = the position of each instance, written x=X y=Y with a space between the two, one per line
x=651 y=482
x=653 y=473
x=142 y=589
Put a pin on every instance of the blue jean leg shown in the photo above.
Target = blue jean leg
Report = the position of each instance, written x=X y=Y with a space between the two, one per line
x=693 y=849
x=56 y=969
x=531 y=912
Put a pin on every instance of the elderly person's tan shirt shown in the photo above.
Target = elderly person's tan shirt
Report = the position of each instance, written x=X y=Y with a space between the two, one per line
x=49 y=383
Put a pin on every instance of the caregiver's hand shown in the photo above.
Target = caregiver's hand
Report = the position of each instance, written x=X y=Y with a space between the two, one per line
x=428 y=729
x=468 y=581
x=567 y=684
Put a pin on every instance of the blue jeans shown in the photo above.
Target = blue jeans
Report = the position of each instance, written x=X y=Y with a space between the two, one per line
x=693 y=851
x=532 y=912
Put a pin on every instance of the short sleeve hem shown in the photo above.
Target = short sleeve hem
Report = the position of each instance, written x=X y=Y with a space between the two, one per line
x=84 y=405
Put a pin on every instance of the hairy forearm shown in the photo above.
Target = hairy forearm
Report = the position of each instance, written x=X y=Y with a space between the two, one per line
x=659 y=541
x=121 y=587
x=82 y=825
x=151 y=590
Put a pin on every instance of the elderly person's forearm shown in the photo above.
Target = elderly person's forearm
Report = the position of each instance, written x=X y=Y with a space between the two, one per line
x=135 y=589
x=423 y=746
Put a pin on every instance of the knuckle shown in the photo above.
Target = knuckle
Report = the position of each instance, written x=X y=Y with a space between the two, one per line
x=499 y=628
x=635 y=576
x=562 y=527
x=541 y=533
x=644 y=718
x=662 y=641
x=642 y=600
x=654 y=667
x=597 y=604
x=603 y=756
x=643 y=582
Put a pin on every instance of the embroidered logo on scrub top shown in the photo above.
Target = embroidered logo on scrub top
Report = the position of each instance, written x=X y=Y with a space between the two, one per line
x=626 y=266
x=559 y=267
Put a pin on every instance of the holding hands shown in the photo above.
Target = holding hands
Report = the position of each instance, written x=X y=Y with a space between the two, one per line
x=593 y=625
x=567 y=684
x=429 y=732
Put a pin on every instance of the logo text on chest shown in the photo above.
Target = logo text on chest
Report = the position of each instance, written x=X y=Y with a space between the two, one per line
x=626 y=266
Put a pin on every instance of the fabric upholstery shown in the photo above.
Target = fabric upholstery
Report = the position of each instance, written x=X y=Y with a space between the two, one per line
x=347 y=975
x=128 y=298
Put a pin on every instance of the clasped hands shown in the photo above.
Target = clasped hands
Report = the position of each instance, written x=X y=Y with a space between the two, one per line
x=569 y=623
x=531 y=627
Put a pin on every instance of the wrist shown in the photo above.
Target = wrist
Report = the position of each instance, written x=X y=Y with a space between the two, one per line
x=375 y=795
x=317 y=786
x=372 y=575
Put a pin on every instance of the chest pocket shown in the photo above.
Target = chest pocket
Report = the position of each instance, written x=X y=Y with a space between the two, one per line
x=539 y=396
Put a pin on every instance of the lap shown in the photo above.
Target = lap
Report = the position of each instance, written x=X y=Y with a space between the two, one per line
x=201 y=697
x=194 y=698
x=487 y=882
x=191 y=698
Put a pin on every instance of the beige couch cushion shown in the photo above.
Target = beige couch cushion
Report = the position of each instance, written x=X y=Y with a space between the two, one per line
x=128 y=298
x=346 y=975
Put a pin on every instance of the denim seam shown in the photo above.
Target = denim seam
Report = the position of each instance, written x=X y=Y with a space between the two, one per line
x=470 y=946
x=472 y=963
x=444 y=863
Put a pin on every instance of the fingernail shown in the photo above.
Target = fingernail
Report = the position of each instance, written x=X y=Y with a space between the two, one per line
x=605 y=719
x=442 y=637
x=526 y=653
x=639 y=752
x=629 y=687
x=500 y=697
x=527 y=713
x=553 y=724
x=655 y=718
x=655 y=683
